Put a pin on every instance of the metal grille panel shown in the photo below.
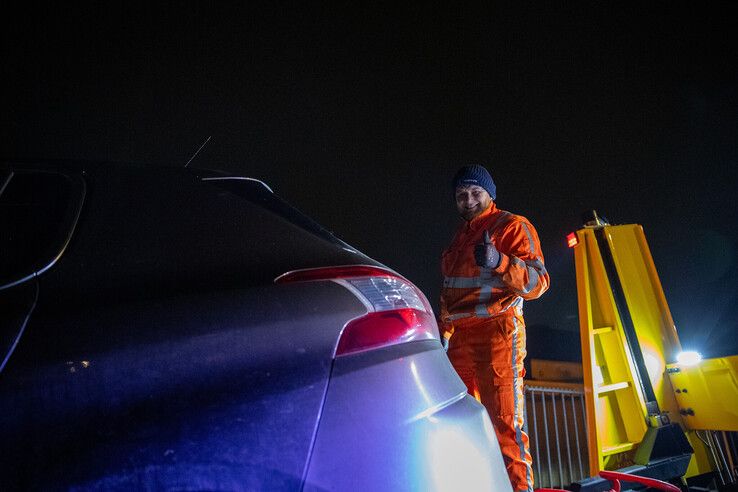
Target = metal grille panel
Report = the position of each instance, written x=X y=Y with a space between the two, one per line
x=556 y=425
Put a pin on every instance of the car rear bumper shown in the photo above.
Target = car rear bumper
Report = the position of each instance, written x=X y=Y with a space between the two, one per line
x=400 y=419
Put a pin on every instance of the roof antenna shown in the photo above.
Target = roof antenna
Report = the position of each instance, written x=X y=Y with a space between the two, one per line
x=198 y=150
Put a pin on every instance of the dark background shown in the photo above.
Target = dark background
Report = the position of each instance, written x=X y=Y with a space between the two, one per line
x=360 y=117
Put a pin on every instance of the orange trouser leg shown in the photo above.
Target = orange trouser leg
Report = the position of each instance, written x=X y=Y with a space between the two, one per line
x=488 y=356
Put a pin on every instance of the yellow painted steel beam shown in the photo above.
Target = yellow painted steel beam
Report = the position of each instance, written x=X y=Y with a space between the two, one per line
x=615 y=408
x=648 y=308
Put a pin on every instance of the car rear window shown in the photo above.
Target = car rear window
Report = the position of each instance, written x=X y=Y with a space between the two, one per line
x=150 y=233
x=38 y=210
x=257 y=192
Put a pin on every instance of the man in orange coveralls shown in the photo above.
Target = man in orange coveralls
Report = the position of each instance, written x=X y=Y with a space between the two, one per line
x=493 y=264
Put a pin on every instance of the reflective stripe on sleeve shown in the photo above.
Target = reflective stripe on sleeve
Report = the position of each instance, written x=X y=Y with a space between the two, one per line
x=538 y=265
x=535 y=270
x=532 y=280
x=530 y=238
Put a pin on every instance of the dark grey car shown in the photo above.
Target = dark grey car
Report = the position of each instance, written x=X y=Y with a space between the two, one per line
x=184 y=330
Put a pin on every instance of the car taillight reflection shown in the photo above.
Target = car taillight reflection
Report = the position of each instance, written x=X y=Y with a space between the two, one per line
x=397 y=311
x=385 y=328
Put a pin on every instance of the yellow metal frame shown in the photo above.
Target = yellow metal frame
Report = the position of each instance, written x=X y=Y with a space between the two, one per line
x=616 y=411
x=707 y=393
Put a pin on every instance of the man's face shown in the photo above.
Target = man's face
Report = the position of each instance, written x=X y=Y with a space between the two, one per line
x=471 y=201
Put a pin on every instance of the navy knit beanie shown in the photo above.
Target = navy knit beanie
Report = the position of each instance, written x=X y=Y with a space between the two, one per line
x=475 y=175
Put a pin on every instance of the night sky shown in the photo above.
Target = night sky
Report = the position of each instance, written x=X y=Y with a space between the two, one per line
x=360 y=117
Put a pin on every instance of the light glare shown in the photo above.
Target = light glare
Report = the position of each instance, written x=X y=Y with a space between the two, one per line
x=653 y=364
x=689 y=358
x=456 y=462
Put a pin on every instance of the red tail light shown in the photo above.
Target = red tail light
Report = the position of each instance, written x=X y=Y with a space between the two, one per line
x=397 y=311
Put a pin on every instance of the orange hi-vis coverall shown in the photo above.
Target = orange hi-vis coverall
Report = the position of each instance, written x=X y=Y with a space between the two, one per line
x=483 y=309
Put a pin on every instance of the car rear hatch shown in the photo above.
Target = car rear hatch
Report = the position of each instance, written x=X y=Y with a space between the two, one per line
x=161 y=353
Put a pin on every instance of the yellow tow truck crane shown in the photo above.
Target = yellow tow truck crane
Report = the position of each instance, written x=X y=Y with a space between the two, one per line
x=651 y=410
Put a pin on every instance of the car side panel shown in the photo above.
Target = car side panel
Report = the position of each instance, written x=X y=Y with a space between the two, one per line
x=217 y=391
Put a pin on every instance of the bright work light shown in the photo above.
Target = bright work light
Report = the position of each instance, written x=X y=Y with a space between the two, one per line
x=689 y=358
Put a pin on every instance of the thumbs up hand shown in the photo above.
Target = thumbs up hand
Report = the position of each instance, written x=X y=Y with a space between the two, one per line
x=485 y=254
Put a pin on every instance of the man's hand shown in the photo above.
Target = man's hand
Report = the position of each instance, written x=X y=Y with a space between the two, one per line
x=485 y=254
